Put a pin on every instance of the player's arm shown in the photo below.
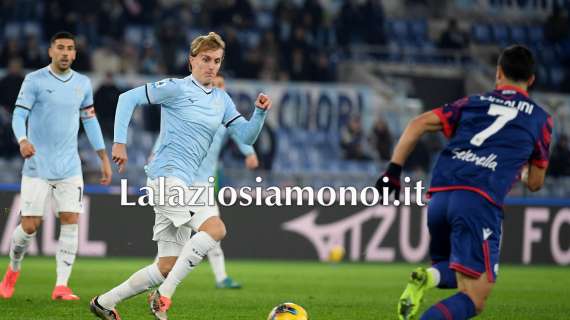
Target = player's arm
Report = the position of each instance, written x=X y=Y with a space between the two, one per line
x=533 y=177
x=94 y=134
x=95 y=137
x=19 y=118
x=424 y=123
x=126 y=105
x=533 y=174
x=247 y=131
x=251 y=161
x=24 y=103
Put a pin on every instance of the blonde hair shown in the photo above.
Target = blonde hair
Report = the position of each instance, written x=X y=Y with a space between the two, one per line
x=211 y=41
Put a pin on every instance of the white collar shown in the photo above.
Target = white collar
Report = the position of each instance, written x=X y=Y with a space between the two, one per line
x=63 y=77
x=197 y=83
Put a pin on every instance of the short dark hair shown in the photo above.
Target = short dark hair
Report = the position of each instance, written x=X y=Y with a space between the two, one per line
x=517 y=63
x=62 y=35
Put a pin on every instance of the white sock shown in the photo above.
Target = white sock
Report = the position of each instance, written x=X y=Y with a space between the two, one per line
x=140 y=281
x=66 y=252
x=436 y=276
x=217 y=262
x=19 y=246
x=192 y=254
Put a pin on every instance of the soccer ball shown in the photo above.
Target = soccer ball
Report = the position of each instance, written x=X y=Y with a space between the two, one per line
x=336 y=254
x=288 y=311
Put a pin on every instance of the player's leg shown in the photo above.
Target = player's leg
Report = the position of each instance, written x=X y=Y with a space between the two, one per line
x=170 y=241
x=439 y=274
x=465 y=304
x=422 y=279
x=476 y=231
x=211 y=230
x=104 y=305
x=209 y=234
x=218 y=263
x=33 y=196
x=68 y=196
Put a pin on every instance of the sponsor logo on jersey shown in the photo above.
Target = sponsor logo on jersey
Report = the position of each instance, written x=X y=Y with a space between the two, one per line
x=480 y=161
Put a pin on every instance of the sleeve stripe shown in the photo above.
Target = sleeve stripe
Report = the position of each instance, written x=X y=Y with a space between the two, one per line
x=86 y=107
x=447 y=129
x=146 y=92
x=539 y=163
x=21 y=106
x=234 y=119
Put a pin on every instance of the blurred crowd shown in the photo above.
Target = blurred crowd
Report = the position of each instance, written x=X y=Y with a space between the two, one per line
x=288 y=40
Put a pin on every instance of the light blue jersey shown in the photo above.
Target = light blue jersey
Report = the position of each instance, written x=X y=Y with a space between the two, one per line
x=209 y=165
x=191 y=115
x=52 y=104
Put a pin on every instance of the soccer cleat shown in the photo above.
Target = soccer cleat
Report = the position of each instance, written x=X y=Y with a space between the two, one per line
x=159 y=305
x=63 y=293
x=102 y=312
x=8 y=283
x=228 y=283
x=410 y=300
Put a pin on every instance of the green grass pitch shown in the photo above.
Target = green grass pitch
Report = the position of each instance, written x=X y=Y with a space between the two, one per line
x=344 y=291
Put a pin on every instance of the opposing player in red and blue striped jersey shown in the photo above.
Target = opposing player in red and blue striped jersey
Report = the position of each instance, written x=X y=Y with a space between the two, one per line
x=493 y=138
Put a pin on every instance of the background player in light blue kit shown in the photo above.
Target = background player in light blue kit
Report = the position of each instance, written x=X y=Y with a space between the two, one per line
x=192 y=111
x=52 y=100
x=207 y=169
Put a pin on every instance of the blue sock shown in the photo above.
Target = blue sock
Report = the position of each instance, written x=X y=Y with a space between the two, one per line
x=456 y=307
x=447 y=276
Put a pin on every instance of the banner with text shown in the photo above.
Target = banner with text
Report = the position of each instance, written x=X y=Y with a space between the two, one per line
x=531 y=234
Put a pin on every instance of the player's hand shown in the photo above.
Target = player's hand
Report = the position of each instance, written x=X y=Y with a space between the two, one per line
x=251 y=161
x=106 y=172
x=119 y=155
x=263 y=102
x=27 y=149
x=393 y=184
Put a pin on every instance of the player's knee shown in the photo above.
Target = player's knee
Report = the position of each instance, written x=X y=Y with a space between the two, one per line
x=69 y=218
x=215 y=227
x=218 y=232
x=29 y=225
x=165 y=267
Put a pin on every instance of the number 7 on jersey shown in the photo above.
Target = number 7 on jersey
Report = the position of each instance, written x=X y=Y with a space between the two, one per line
x=504 y=115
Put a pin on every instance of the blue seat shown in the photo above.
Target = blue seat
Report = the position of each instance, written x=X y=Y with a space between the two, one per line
x=519 y=34
x=500 y=34
x=418 y=30
x=481 y=33
x=547 y=55
x=398 y=29
x=535 y=34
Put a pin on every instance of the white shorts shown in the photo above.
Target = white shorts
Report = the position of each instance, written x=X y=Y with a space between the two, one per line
x=37 y=193
x=173 y=225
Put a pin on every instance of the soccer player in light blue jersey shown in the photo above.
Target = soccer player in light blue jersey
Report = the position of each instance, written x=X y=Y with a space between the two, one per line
x=52 y=100
x=209 y=168
x=192 y=111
